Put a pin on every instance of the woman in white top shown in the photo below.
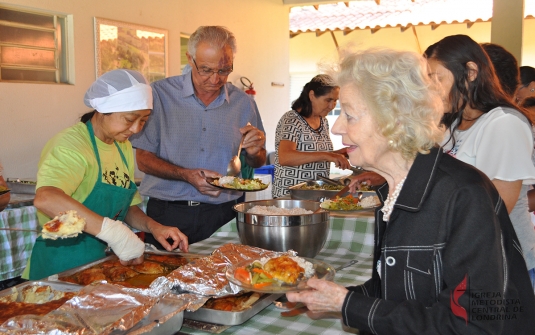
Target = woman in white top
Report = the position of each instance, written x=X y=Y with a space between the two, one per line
x=485 y=128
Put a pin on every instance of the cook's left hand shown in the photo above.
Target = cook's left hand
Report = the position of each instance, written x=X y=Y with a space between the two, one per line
x=164 y=233
x=254 y=140
x=326 y=296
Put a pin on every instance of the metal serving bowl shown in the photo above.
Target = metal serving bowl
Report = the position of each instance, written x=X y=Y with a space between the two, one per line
x=305 y=233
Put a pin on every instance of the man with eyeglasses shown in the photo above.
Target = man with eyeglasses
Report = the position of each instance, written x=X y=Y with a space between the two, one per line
x=195 y=128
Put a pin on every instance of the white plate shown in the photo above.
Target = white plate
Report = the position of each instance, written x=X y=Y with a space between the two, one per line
x=322 y=270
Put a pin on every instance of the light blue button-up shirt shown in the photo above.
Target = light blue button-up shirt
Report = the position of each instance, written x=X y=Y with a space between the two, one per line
x=185 y=132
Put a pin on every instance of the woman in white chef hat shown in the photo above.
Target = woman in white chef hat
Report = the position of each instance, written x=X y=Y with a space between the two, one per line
x=89 y=168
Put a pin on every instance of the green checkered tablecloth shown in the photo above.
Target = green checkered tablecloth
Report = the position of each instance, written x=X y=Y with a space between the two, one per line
x=349 y=238
x=16 y=246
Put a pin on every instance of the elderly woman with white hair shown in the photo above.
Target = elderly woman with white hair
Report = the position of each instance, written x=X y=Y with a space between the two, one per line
x=89 y=168
x=445 y=248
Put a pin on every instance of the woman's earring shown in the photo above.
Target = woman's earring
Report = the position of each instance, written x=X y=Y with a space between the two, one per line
x=532 y=90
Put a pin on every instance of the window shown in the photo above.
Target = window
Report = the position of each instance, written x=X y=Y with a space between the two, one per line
x=124 y=45
x=33 y=46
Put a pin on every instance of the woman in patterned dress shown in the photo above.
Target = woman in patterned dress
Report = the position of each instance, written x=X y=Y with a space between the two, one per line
x=303 y=147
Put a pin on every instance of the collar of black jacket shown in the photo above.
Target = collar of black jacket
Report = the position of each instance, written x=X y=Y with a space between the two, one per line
x=418 y=181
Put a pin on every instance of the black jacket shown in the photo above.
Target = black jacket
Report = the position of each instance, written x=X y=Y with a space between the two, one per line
x=450 y=260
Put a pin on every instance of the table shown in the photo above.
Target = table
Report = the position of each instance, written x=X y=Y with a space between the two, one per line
x=349 y=238
x=16 y=246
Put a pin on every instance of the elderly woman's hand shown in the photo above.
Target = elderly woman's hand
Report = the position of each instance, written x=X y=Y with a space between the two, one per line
x=368 y=178
x=326 y=296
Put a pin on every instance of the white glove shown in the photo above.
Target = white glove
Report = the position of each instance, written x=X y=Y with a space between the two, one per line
x=124 y=243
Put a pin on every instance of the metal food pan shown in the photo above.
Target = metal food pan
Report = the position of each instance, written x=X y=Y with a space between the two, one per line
x=231 y=318
x=58 y=286
x=163 y=308
x=72 y=271
x=316 y=195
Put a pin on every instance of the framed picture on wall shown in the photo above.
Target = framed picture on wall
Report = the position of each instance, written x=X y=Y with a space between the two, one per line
x=122 y=45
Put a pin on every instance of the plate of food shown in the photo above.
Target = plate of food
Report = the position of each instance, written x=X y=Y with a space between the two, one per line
x=278 y=274
x=351 y=204
x=238 y=184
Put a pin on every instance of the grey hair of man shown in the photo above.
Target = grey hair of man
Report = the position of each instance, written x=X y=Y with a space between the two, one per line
x=215 y=36
x=399 y=96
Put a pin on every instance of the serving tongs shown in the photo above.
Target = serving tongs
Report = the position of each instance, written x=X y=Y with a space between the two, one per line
x=333 y=182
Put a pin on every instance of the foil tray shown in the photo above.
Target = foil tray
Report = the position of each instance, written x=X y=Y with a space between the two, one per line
x=58 y=286
x=161 y=309
x=231 y=318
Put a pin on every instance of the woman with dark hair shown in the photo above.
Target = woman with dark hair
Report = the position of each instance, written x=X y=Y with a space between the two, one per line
x=302 y=143
x=89 y=168
x=485 y=129
x=527 y=84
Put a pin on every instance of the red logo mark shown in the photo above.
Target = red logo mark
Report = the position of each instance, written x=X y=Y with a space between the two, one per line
x=456 y=307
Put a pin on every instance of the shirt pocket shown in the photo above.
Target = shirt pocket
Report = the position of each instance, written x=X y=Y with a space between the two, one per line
x=419 y=274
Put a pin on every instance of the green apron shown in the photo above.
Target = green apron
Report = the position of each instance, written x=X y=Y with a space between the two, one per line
x=247 y=172
x=55 y=256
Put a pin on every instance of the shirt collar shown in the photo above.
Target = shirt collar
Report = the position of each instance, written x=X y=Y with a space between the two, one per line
x=188 y=89
x=417 y=184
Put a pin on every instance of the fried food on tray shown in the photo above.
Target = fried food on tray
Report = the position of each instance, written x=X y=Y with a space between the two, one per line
x=140 y=275
x=172 y=260
x=119 y=273
x=150 y=268
x=67 y=224
x=284 y=269
x=87 y=276
x=235 y=303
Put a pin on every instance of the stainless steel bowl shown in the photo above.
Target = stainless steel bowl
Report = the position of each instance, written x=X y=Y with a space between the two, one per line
x=305 y=233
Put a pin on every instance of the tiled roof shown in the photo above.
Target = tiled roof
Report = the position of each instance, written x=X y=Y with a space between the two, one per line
x=365 y=14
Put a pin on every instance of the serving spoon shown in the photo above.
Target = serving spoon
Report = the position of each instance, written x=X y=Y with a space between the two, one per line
x=234 y=166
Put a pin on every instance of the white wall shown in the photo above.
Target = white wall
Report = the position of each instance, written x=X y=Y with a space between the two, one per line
x=30 y=114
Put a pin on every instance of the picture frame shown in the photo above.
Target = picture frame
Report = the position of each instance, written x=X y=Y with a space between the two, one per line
x=123 y=45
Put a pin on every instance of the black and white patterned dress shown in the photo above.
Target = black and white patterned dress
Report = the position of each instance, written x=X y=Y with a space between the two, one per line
x=293 y=127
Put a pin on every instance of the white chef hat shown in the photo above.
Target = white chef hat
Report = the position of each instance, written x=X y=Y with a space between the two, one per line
x=119 y=91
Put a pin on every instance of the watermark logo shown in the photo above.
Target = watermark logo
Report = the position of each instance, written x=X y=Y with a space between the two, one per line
x=455 y=305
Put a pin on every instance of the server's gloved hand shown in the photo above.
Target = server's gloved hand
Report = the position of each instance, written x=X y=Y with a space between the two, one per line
x=124 y=243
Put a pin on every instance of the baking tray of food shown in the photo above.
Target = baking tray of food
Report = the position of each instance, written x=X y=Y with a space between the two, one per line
x=231 y=318
x=110 y=269
x=155 y=320
x=35 y=297
x=318 y=190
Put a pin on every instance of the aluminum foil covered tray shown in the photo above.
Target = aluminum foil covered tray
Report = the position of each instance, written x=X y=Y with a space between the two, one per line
x=110 y=270
x=207 y=276
x=231 y=318
x=102 y=308
x=34 y=297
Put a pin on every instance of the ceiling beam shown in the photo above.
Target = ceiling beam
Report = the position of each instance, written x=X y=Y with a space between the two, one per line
x=307 y=2
x=378 y=2
x=292 y=35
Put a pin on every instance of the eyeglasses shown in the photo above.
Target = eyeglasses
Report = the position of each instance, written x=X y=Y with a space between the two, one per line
x=206 y=72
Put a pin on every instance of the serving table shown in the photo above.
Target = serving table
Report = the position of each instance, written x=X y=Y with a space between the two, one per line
x=350 y=237
x=16 y=246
